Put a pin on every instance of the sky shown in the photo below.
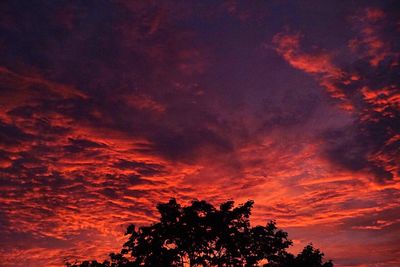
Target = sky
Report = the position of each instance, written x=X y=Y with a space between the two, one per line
x=110 y=107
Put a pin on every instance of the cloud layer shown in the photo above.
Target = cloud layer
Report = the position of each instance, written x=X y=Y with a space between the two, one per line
x=107 y=108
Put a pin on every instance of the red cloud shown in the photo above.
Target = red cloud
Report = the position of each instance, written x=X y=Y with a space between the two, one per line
x=288 y=45
x=376 y=107
x=319 y=63
x=370 y=23
x=141 y=125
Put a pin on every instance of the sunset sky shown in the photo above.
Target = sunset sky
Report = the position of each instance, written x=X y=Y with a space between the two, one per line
x=110 y=107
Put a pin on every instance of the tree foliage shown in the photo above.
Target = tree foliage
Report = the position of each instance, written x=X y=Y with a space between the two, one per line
x=202 y=235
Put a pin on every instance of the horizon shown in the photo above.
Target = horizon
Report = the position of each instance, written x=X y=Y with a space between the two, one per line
x=110 y=107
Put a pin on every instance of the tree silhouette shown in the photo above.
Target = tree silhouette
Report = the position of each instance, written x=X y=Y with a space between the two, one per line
x=201 y=235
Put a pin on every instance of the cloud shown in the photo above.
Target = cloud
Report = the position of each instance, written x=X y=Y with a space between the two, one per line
x=371 y=43
x=110 y=108
x=367 y=145
x=288 y=45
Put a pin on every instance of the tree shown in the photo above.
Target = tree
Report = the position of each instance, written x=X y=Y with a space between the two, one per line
x=202 y=235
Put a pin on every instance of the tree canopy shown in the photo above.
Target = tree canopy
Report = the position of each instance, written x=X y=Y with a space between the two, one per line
x=202 y=235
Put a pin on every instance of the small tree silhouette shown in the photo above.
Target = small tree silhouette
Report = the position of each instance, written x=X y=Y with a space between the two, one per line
x=201 y=235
